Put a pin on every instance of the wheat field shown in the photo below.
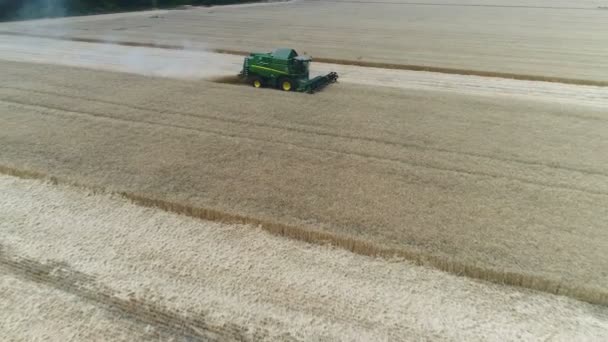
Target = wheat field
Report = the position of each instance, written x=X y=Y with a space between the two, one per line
x=93 y=266
x=452 y=186
x=542 y=38
x=443 y=179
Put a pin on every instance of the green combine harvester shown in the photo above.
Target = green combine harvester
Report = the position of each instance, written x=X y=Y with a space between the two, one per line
x=283 y=69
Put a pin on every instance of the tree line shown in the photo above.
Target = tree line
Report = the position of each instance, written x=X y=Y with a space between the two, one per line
x=32 y=9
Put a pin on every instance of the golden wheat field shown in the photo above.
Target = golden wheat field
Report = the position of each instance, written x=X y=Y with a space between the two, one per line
x=421 y=173
x=145 y=194
x=93 y=266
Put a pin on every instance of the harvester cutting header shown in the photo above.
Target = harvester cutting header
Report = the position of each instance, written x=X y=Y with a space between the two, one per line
x=283 y=69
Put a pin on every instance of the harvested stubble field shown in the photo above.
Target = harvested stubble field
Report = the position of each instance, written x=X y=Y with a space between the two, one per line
x=545 y=38
x=92 y=266
x=197 y=64
x=510 y=191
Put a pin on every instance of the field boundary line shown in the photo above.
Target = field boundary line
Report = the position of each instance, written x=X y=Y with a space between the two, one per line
x=593 y=295
x=367 y=64
x=61 y=276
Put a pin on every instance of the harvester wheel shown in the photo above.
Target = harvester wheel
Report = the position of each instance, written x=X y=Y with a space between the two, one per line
x=286 y=84
x=256 y=82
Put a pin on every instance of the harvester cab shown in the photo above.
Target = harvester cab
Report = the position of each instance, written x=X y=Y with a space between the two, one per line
x=283 y=69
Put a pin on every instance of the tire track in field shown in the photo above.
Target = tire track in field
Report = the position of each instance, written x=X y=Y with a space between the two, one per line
x=321 y=133
x=63 y=112
x=59 y=275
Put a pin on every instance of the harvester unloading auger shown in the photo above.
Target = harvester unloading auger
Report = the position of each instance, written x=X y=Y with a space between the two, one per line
x=283 y=69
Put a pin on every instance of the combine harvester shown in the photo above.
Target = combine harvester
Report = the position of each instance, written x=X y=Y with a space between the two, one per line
x=283 y=69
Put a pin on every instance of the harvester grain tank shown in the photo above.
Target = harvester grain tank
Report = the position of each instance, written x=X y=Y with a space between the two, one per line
x=283 y=69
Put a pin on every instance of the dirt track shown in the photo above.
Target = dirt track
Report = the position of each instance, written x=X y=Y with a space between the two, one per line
x=93 y=266
x=546 y=38
x=518 y=187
